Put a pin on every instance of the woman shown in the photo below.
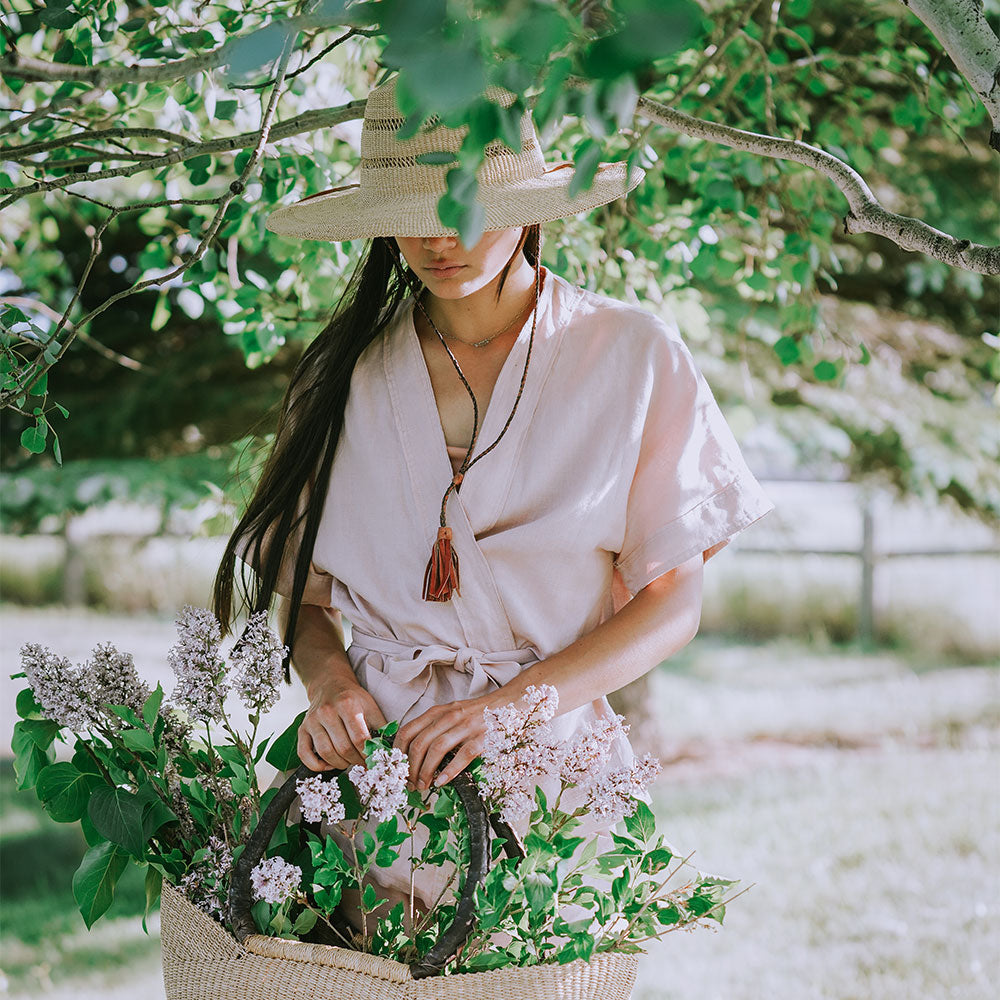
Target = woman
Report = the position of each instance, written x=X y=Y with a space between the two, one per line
x=500 y=479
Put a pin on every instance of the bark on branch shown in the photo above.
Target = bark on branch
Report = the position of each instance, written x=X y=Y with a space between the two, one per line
x=866 y=215
x=964 y=33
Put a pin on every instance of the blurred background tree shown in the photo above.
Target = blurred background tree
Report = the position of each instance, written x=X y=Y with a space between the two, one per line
x=144 y=144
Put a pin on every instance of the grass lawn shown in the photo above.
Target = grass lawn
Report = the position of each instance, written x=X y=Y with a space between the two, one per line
x=858 y=793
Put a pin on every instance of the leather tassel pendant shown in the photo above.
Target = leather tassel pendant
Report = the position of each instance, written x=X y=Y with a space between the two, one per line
x=441 y=575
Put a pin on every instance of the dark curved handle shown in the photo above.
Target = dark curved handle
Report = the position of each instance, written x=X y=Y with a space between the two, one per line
x=452 y=938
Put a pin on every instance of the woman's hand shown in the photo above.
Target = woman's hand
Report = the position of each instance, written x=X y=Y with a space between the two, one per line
x=339 y=719
x=457 y=726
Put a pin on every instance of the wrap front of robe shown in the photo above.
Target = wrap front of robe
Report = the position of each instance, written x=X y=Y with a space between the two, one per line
x=617 y=467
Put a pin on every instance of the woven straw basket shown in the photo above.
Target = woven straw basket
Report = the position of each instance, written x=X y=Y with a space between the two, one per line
x=203 y=961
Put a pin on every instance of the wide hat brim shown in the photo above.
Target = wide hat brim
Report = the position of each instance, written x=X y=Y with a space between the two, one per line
x=353 y=213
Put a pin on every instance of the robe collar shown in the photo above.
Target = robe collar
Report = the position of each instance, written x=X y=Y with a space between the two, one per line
x=475 y=508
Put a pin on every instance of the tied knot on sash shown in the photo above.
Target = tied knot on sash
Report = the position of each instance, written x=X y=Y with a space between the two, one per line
x=411 y=668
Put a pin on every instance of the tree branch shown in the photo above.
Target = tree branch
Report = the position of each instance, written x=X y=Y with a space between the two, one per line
x=235 y=188
x=866 y=214
x=308 y=121
x=964 y=33
x=24 y=302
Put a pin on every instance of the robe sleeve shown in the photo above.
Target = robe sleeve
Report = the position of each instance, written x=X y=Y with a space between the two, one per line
x=691 y=489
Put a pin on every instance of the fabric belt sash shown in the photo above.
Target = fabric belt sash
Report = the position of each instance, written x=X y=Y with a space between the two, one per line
x=404 y=663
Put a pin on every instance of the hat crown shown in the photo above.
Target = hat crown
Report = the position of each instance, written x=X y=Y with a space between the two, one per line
x=389 y=165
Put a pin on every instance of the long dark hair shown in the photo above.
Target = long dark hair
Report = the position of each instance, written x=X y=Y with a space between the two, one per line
x=288 y=500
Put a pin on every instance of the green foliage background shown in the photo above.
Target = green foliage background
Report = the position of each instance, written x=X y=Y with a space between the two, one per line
x=844 y=354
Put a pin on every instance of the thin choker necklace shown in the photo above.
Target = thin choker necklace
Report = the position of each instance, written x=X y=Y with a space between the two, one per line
x=477 y=343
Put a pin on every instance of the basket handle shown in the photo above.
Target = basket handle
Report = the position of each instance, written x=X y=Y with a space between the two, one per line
x=457 y=933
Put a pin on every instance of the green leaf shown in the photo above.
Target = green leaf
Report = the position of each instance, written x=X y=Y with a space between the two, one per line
x=436 y=157
x=825 y=371
x=40 y=732
x=33 y=438
x=154 y=885
x=586 y=158
x=787 y=349
x=369 y=897
x=198 y=168
x=304 y=922
x=458 y=209
x=488 y=960
x=65 y=791
x=284 y=753
x=385 y=857
x=126 y=714
x=225 y=111
x=151 y=706
x=248 y=53
x=29 y=761
x=94 y=881
x=138 y=739
x=118 y=814
x=59 y=16
x=642 y=823
x=540 y=890
x=26 y=705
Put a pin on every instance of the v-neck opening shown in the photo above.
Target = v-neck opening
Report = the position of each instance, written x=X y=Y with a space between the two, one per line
x=442 y=446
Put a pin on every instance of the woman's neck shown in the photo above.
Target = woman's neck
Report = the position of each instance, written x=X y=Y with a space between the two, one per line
x=479 y=315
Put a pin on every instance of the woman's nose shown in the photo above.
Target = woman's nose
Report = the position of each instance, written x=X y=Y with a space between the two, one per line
x=437 y=242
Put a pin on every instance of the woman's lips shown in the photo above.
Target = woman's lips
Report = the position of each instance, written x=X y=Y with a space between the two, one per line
x=445 y=272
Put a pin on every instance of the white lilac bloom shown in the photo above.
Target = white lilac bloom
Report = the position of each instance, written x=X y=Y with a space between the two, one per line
x=260 y=658
x=201 y=673
x=382 y=788
x=207 y=883
x=542 y=702
x=58 y=687
x=110 y=678
x=587 y=753
x=274 y=880
x=320 y=799
x=518 y=750
x=611 y=796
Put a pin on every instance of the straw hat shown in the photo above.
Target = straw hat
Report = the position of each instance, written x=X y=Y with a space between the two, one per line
x=397 y=196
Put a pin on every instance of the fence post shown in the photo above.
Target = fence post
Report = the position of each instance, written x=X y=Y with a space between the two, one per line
x=866 y=607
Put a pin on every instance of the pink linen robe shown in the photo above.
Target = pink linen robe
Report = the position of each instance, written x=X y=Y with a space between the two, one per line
x=617 y=467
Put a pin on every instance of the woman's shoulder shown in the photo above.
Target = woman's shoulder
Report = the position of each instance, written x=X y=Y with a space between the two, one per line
x=630 y=329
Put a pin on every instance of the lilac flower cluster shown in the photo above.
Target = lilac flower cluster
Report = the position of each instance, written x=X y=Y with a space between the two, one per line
x=586 y=754
x=259 y=656
x=201 y=673
x=58 y=687
x=320 y=799
x=206 y=884
x=75 y=696
x=274 y=880
x=382 y=788
x=110 y=678
x=611 y=796
x=517 y=750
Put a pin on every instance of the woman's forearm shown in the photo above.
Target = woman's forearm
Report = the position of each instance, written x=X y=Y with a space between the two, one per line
x=318 y=653
x=658 y=622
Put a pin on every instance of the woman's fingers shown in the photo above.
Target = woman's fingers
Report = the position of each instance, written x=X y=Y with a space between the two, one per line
x=464 y=756
x=330 y=741
x=309 y=756
x=429 y=738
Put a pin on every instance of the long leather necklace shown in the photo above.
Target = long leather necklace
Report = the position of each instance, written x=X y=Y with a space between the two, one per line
x=441 y=577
